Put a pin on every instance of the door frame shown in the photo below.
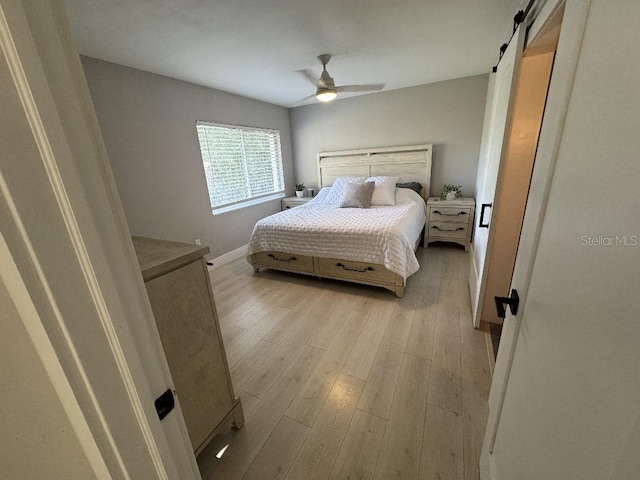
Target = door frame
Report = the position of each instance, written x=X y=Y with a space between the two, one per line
x=574 y=18
x=65 y=232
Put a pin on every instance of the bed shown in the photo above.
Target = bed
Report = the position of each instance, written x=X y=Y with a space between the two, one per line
x=374 y=246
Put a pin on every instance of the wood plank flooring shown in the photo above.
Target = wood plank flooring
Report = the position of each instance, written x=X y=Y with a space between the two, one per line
x=341 y=381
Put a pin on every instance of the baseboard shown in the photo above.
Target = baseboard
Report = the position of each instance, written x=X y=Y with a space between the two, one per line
x=485 y=466
x=229 y=257
x=489 y=342
x=474 y=286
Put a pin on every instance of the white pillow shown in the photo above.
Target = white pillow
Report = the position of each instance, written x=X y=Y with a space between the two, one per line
x=335 y=194
x=385 y=191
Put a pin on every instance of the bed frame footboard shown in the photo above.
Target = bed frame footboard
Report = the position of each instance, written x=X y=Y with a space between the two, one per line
x=336 y=269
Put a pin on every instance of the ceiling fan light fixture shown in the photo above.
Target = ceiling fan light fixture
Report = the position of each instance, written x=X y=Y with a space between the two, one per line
x=326 y=94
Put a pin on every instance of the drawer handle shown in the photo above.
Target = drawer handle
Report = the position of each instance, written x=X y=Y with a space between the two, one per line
x=282 y=259
x=366 y=269
x=449 y=214
x=447 y=230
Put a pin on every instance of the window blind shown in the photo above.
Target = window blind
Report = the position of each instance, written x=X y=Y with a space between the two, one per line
x=242 y=165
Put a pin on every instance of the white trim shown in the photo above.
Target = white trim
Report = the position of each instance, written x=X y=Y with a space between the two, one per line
x=474 y=282
x=229 y=257
x=237 y=127
x=248 y=203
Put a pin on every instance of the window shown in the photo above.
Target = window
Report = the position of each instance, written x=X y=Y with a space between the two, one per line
x=242 y=165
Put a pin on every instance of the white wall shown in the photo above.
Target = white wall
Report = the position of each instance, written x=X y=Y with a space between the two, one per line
x=448 y=114
x=148 y=123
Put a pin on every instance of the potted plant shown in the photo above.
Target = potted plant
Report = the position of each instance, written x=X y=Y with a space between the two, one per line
x=451 y=192
x=299 y=190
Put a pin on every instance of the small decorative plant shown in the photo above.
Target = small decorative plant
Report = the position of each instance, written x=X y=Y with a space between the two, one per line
x=451 y=192
x=299 y=188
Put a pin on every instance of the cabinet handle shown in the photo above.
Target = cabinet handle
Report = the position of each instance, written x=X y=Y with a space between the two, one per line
x=366 y=269
x=446 y=229
x=481 y=224
x=449 y=214
x=281 y=259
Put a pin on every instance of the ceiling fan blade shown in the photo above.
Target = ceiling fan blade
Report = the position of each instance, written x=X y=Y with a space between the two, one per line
x=374 y=87
x=300 y=102
x=309 y=76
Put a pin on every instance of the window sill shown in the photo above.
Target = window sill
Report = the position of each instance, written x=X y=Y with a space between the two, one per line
x=248 y=203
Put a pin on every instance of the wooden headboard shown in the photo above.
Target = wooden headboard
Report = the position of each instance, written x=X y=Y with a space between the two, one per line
x=410 y=163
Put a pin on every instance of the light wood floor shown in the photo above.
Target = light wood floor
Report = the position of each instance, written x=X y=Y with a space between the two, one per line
x=340 y=381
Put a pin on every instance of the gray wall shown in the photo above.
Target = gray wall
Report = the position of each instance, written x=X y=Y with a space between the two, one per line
x=448 y=114
x=148 y=124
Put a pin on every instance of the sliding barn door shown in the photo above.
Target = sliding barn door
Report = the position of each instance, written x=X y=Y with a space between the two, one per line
x=497 y=122
x=569 y=388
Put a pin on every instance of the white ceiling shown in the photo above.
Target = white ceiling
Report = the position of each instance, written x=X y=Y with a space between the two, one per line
x=254 y=47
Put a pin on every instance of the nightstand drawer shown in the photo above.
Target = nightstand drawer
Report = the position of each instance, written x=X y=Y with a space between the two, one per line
x=292 y=202
x=449 y=214
x=448 y=230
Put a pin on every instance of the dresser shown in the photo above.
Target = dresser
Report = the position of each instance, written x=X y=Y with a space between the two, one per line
x=450 y=221
x=291 y=202
x=177 y=282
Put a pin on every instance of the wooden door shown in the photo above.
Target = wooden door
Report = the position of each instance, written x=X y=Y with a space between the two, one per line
x=494 y=137
x=564 y=399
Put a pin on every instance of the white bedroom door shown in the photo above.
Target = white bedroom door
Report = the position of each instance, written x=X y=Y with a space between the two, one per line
x=70 y=286
x=497 y=122
x=564 y=398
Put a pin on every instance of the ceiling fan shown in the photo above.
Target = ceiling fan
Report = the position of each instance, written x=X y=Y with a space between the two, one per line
x=326 y=89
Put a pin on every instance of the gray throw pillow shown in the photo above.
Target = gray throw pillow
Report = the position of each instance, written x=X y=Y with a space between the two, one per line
x=415 y=186
x=357 y=195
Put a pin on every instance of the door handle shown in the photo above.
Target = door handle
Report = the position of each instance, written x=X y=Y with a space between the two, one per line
x=513 y=301
x=164 y=403
x=481 y=224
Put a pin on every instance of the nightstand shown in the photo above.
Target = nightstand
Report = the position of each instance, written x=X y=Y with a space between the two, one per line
x=450 y=221
x=291 y=202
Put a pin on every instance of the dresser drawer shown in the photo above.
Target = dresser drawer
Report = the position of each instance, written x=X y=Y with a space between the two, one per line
x=285 y=260
x=347 y=268
x=449 y=214
x=448 y=230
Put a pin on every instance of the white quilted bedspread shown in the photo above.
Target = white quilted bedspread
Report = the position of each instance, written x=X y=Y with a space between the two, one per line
x=381 y=234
